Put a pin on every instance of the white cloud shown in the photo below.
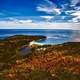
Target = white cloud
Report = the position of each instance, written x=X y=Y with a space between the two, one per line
x=49 y=7
x=74 y=2
x=69 y=12
x=76 y=19
x=37 y=25
x=49 y=10
x=57 y=10
x=45 y=9
x=25 y=21
x=77 y=16
x=48 y=18
x=16 y=25
x=76 y=13
x=71 y=15
x=77 y=7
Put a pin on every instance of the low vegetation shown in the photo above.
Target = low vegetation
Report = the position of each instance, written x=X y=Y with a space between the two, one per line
x=47 y=62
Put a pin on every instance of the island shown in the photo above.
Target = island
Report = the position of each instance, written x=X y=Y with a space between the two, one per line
x=21 y=61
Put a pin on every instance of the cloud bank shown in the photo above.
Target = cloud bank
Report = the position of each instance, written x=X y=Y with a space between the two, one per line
x=29 y=24
x=68 y=8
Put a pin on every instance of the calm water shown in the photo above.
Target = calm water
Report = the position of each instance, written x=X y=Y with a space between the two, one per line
x=53 y=36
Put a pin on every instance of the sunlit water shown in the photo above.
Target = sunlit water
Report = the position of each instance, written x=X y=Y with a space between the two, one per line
x=53 y=36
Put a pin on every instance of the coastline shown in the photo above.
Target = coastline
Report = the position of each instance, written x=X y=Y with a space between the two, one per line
x=36 y=43
x=48 y=59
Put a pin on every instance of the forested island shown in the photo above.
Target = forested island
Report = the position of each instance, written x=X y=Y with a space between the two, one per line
x=21 y=61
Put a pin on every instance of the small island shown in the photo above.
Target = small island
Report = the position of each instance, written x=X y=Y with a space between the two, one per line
x=21 y=61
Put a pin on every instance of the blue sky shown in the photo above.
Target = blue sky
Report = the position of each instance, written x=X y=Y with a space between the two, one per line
x=22 y=12
x=20 y=7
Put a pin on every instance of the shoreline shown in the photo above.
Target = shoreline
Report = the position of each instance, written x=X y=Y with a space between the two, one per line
x=52 y=58
x=36 y=43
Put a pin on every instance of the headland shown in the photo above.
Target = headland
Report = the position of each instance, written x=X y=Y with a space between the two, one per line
x=39 y=62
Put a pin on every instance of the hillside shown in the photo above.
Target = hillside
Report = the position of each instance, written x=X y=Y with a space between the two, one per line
x=47 y=62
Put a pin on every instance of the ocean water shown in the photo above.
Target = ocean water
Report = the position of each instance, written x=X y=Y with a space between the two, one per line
x=53 y=36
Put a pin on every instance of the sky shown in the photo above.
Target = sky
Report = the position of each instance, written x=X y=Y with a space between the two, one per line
x=43 y=14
